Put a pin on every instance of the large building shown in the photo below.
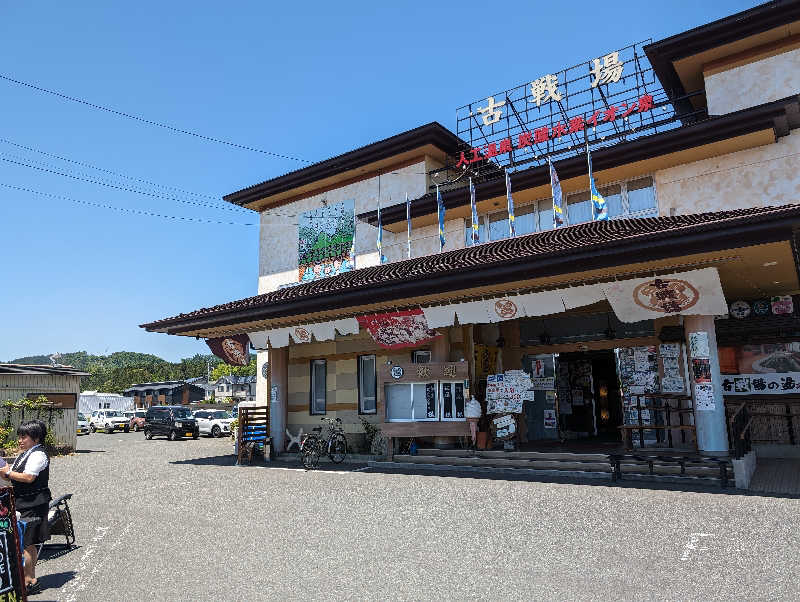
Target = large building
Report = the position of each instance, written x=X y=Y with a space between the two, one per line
x=675 y=310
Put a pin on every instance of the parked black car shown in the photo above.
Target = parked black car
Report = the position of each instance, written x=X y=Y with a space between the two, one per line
x=173 y=422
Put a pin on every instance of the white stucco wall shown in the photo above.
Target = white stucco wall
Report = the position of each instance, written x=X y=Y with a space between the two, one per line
x=278 y=252
x=756 y=83
x=756 y=177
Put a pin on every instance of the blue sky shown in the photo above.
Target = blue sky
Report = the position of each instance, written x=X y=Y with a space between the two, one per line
x=306 y=80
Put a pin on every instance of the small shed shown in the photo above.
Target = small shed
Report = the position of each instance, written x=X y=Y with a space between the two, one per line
x=60 y=384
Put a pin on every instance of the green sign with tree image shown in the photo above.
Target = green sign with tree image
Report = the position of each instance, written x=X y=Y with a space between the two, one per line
x=325 y=241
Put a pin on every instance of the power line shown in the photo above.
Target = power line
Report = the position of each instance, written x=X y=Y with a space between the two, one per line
x=109 y=185
x=125 y=209
x=165 y=126
x=108 y=171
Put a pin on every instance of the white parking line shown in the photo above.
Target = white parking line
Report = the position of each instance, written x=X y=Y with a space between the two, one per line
x=691 y=545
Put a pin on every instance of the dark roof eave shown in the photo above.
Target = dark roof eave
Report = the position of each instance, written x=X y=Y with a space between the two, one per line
x=432 y=133
x=663 y=53
x=703 y=237
x=769 y=115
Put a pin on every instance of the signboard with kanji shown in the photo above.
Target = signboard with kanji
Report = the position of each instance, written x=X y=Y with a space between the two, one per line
x=608 y=98
x=773 y=383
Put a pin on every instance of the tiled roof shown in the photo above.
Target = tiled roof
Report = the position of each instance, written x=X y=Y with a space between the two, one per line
x=559 y=246
x=32 y=369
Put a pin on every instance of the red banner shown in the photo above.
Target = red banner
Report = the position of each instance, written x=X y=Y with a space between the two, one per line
x=233 y=350
x=398 y=329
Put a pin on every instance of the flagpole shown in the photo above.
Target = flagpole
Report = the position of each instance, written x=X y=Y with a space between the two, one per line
x=589 y=162
x=408 y=224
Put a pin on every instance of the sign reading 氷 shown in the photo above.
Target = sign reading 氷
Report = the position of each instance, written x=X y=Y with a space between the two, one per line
x=612 y=96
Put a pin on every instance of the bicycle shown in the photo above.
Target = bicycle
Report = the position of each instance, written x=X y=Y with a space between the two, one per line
x=313 y=445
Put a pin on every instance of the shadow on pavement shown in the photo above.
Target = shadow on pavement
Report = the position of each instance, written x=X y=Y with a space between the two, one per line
x=56 y=580
x=90 y=451
x=230 y=460
x=566 y=480
x=226 y=460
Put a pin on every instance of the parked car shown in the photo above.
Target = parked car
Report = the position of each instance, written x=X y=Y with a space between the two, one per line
x=137 y=420
x=83 y=425
x=215 y=423
x=174 y=422
x=108 y=421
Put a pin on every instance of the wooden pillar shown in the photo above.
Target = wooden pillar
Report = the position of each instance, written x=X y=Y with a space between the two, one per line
x=712 y=434
x=440 y=348
x=279 y=404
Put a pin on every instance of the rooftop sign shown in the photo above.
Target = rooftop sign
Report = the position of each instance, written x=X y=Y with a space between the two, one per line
x=606 y=99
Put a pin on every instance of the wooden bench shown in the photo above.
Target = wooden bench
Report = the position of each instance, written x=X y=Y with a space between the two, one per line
x=616 y=461
x=253 y=433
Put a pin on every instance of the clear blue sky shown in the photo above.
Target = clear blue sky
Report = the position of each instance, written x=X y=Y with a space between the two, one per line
x=310 y=80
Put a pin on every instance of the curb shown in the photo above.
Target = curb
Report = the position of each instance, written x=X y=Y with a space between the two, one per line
x=491 y=470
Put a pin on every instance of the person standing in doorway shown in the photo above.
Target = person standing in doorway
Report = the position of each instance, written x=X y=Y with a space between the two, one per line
x=30 y=475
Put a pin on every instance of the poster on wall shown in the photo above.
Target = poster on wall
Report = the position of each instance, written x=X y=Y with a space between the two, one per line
x=669 y=349
x=671 y=368
x=772 y=357
x=698 y=345
x=325 y=240
x=672 y=384
x=704 y=397
x=701 y=371
x=430 y=400
x=544 y=383
x=549 y=419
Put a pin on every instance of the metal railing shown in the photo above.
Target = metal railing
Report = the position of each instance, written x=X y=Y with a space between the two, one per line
x=739 y=432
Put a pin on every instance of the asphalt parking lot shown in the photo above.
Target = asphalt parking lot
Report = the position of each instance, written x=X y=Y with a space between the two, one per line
x=177 y=521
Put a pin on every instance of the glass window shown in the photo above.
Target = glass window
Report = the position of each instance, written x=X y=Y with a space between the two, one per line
x=546 y=214
x=366 y=385
x=424 y=404
x=525 y=219
x=498 y=225
x=398 y=402
x=318 y=386
x=579 y=208
x=481 y=231
x=613 y=197
x=641 y=196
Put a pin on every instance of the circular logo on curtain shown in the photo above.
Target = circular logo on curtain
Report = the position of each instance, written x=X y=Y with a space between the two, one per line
x=666 y=295
x=265 y=369
x=303 y=335
x=505 y=308
x=740 y=309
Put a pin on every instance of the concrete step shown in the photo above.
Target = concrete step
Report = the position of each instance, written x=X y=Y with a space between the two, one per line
x=542 y=464
x=519 y=455
x=539 y=471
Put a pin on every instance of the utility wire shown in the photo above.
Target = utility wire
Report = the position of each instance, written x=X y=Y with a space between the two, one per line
x=125 y=209
x=115 y=186
x=165 y=126
x=108 y=171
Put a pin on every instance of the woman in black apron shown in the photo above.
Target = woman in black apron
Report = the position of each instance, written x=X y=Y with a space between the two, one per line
x=30 y=475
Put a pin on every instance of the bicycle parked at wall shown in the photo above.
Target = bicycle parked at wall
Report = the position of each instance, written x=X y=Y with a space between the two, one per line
x=314 y=445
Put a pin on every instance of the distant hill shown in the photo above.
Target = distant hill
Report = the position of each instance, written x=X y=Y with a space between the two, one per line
x=116 y=372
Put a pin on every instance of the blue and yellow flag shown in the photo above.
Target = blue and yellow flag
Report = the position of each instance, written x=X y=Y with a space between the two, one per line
x=440 y=209
x=555 y=186
x=475 y=235
x=599 y=206
x=511 y=228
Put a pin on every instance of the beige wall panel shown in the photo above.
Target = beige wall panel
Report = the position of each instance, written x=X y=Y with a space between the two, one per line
x=756 y=83
x=311 y=350
x=762 y=176
x=346 y=380
x=345 y=395
x=279 y=225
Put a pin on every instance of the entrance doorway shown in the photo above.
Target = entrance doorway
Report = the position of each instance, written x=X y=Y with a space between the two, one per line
x=589 y=397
